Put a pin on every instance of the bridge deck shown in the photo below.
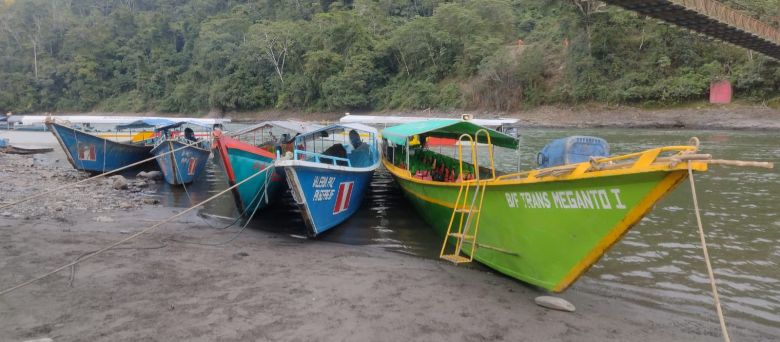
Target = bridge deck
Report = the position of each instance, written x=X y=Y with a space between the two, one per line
x=713 y=19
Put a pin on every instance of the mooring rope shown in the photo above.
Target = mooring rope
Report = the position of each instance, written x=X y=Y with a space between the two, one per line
x=269 y=169
x=189 y=197
x=707 y=256
x=6 y=205
x=131 y=237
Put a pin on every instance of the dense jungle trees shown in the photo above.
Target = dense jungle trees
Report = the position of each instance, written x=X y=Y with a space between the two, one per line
x=201 y=55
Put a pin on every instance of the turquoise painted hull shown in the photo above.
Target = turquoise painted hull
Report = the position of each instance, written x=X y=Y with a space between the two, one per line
x=240 y=162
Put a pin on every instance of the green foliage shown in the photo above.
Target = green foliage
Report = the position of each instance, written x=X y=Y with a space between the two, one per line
x=200 y=55
x=350 y=88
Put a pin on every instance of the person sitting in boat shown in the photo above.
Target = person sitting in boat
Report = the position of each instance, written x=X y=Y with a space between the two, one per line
x=361 y=153
x=336 y=150
x=189 y=134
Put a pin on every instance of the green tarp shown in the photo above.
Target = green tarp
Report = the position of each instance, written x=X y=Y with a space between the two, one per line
x=445 y=129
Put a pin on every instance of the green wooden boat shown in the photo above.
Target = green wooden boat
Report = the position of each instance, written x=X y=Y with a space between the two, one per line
x=545 y=227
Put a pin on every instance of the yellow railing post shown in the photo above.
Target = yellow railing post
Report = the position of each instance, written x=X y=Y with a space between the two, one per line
x=490 y=151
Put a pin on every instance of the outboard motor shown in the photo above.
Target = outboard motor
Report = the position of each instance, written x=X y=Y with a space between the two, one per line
x=572 y=150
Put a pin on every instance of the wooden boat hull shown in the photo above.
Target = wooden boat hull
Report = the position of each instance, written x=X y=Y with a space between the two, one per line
x=240 y=161
x=182 y=166
x=91 y=153
x=326 y=195
x=10 y=149
x=549 y=231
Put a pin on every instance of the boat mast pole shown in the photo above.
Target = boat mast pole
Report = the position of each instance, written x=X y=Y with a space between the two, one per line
x=407 y=156
x=393 y=147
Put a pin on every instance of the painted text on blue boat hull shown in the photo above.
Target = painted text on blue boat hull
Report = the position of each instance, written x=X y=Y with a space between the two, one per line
x=184 y=166
x=327 y=197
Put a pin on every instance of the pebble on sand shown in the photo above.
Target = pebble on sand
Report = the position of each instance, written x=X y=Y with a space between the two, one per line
x=104 y=219
x=120 y=182
x=150 y=175
x=150 y=200
x=554 y=303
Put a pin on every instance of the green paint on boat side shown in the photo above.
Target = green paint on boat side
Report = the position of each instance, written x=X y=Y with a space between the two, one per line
x=548 y=233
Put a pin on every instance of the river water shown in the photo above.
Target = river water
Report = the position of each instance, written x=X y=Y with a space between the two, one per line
x=659 y=263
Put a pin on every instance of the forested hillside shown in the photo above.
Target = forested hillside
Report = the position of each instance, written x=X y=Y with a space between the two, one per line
x=201 y=55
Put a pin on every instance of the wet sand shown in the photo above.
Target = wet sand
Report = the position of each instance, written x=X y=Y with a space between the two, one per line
x=270 y=286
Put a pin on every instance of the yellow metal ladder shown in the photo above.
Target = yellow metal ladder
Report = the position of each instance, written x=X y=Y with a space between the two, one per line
x=467 y=226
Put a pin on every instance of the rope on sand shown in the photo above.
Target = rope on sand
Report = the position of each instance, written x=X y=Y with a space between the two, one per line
x=263 y=195
x=41 y=194
x=707 y=257
x=180 y=178
x=131 y=237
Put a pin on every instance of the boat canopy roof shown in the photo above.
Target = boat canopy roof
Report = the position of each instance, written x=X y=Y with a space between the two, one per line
x=343 y=126
x=161 y=124
x=295 y=126
x=181 y=123
x=146 y=123
x=446 y=129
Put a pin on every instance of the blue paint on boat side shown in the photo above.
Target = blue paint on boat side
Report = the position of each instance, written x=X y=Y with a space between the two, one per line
x=91 y=153
x=182 y=166
x=329 y=173
x=327 y=197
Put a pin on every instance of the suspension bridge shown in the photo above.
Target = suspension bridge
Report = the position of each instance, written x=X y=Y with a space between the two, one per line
x=713 y=19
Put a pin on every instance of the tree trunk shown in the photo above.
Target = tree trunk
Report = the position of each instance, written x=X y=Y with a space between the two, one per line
x=35 y=58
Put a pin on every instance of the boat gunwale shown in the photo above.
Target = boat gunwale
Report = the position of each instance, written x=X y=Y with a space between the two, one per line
x=176 y=140
x=131 y=145
x=316 y=165
x=528 y=177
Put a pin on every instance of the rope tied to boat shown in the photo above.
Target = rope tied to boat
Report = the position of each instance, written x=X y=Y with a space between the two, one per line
x=131 y=237
x=270 y=169
x=715 y=295
x=44 y=193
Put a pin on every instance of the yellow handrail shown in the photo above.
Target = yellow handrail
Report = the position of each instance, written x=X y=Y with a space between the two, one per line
x=490 y=152
x=473 y=155
x=649 y=157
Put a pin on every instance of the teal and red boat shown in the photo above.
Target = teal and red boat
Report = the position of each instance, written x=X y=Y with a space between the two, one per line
x=544 y=226
x=244 y=153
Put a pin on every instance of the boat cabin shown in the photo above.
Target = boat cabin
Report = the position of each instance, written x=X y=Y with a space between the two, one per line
x=444 y=150
x=350 y=145
x=273 y=136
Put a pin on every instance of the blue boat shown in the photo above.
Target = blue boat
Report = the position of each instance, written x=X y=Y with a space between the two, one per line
x=329 y=173
x=180 y=154
x=92 y=153
x=243 y=153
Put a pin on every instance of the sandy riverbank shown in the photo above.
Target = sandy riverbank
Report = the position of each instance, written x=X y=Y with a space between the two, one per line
x=731 y=117
x=266 y=286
